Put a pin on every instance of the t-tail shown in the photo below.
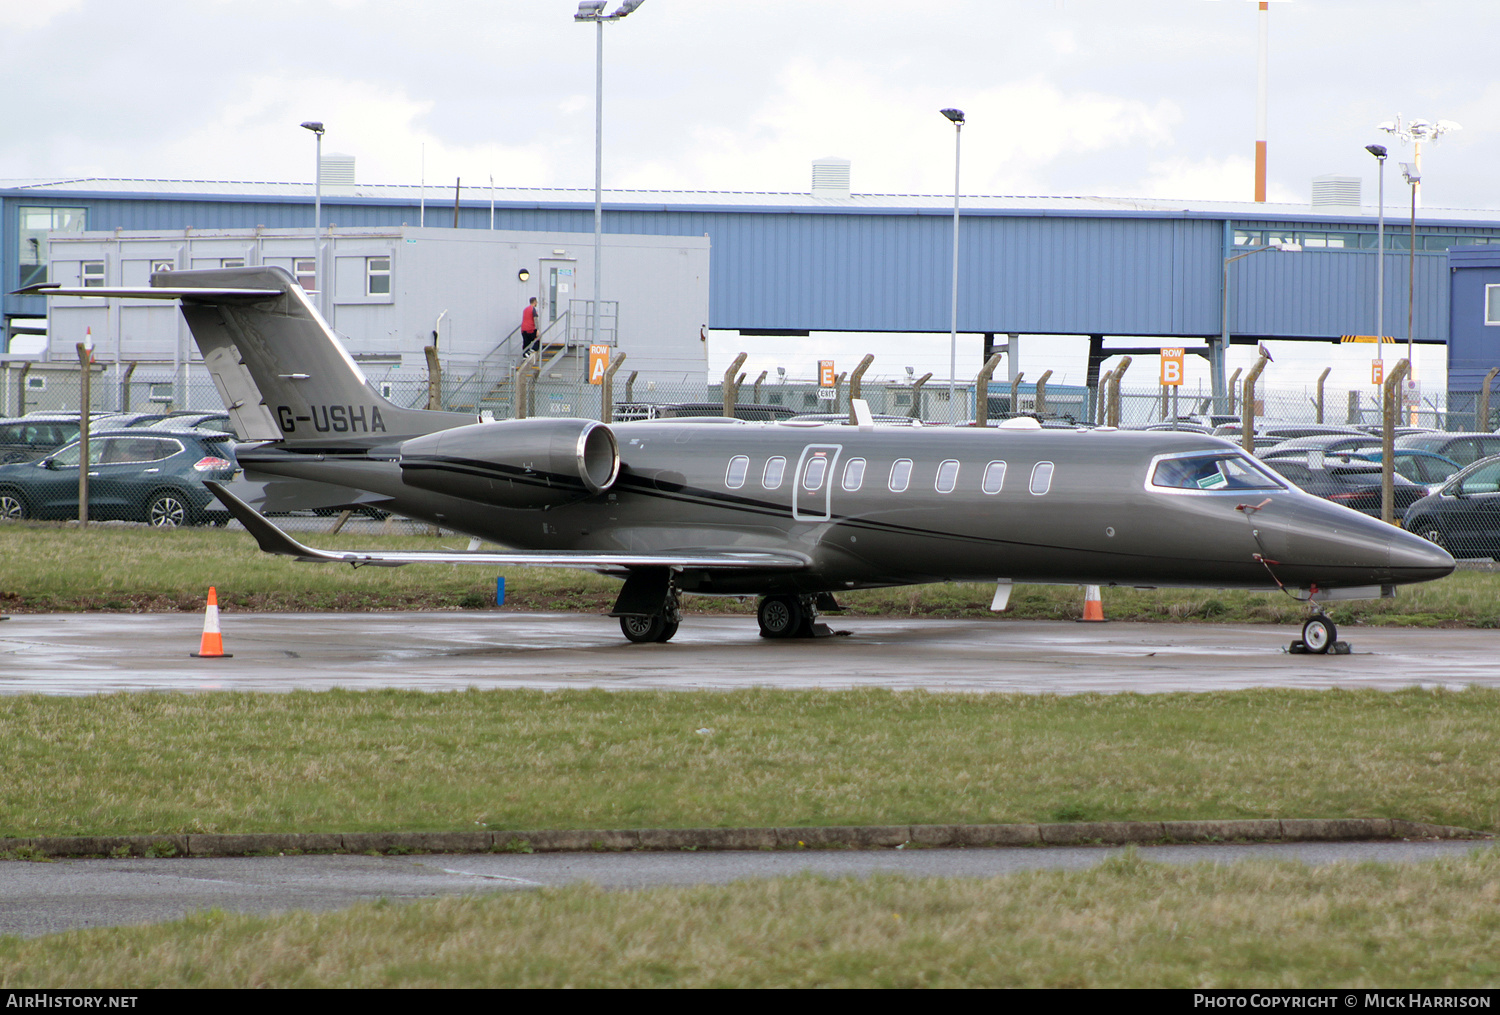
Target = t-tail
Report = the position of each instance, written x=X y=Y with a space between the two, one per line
x=280 y=369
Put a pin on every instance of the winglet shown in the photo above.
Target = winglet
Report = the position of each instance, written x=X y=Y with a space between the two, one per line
x=270 y=538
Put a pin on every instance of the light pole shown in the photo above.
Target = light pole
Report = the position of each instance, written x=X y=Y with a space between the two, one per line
x=1414 y=178
x=316 y=126
x=957 y=116
x=1379 y=151
x=1219 y=392
x=593 y=10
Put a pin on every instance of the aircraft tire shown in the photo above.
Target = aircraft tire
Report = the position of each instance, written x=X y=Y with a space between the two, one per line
x=645 y=629
x=668 y=630
x=780 y=617
x=1319 y=634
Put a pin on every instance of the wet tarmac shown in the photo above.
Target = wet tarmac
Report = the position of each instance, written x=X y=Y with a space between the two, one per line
x=46 y=898
x=100 y=653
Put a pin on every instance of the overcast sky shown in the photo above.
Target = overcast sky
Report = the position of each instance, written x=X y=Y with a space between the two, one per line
x=1152 y=98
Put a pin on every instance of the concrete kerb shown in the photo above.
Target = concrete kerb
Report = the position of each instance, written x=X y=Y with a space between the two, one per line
x=1102 y=833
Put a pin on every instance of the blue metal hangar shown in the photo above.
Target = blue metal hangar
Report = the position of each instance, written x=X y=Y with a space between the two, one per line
x=829 y=260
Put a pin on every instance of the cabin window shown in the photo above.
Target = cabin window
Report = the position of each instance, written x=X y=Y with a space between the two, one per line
x=1492 y=304
x=231 y=262
x=1041 y=478
x=775 y=469
x=377 y=276
x=994 y=477
x=947 y=476
x=854 y=474
x=734 y=476
x=900 y=475
x=812 y=476
x=93 y=273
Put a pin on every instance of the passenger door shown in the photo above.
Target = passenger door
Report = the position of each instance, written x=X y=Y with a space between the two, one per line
x=812 y=494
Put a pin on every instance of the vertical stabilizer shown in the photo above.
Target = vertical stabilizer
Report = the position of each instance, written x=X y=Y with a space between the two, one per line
x=280 y=369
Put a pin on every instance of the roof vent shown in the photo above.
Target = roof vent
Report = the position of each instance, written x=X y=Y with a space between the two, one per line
x=830 y=178
x=336 y=171
x=1332 y=191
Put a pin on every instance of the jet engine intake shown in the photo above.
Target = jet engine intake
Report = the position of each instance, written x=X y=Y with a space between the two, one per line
x=519 y=463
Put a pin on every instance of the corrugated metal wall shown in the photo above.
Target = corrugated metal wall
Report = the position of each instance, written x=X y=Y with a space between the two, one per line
x=1110 y=274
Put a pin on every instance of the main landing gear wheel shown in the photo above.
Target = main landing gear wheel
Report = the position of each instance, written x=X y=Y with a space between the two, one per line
x=788 y=616
x=659 y=627
x=643 y=629
x=1319 y=635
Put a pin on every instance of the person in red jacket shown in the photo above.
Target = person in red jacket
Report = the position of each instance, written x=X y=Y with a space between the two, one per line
x=528 y=327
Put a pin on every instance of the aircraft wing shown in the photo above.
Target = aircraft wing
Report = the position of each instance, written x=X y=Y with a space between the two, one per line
x=274 y=540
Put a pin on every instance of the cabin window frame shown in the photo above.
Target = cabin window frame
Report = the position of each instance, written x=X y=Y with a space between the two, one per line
x=733 y=479
x=984 y=483
x=854 y=469
x=905 y=480
x=765 y=473
x=952 y=480
x=1042 y=479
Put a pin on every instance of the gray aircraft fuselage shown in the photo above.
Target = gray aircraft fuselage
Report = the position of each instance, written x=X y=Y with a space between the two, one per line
x=1097 y=521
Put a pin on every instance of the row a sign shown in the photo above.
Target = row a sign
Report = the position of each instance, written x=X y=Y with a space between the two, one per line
x=1171 y=367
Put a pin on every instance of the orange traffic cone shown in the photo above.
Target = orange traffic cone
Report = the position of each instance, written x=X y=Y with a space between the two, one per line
x=1093 y=605
x=212 y=646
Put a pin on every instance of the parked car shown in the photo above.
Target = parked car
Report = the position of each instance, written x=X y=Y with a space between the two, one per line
x=148 y=476
x=1424 y=467
x=24 y=438
x=1328 y=444
x=627 y=411
x=1354 y=484
x=1463 y=448
x=213 y=422
x=880 y=419
x=1463 y=517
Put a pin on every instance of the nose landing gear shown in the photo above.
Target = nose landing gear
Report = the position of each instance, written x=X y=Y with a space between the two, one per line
x=1319 y=637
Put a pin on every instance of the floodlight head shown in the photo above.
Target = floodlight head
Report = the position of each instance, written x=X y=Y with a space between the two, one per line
x=1287 y=247
x=316 y=126
x=956 y=115
x=1377 y=150
x=590 y=10
x=626 y=7
x=1409 y=170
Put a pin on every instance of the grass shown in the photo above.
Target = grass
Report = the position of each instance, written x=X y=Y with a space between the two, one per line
x=1125 y=923
x=342 y=761
x=53 y=567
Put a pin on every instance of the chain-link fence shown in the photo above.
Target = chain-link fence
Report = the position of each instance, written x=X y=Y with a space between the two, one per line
x=145 y=465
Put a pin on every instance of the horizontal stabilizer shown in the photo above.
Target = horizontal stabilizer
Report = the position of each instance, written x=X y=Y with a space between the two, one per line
x=274 y=540
x=148 y=292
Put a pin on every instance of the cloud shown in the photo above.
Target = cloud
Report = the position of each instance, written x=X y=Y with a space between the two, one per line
x=890 y=129
x=24 y=16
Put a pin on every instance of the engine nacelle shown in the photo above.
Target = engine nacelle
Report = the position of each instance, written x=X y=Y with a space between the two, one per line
x=518 y=463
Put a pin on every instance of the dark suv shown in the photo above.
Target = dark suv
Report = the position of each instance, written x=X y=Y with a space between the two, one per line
x=150 y=476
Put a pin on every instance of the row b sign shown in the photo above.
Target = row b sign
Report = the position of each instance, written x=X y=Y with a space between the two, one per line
x=1171 y=367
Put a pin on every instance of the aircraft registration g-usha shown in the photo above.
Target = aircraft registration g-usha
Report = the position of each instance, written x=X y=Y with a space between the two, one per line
x=786 y=512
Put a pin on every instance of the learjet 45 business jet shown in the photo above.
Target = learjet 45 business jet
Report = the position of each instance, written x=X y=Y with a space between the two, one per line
x=786 y=512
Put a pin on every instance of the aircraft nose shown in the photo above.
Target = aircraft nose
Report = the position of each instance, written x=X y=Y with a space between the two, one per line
x=1416 y=559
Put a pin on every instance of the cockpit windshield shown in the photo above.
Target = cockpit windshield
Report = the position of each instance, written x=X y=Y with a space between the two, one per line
x=1213 y=472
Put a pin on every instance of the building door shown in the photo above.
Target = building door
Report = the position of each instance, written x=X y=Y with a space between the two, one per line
x=557 y=284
